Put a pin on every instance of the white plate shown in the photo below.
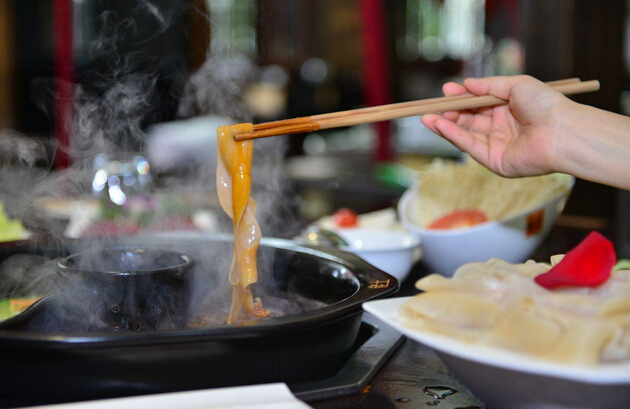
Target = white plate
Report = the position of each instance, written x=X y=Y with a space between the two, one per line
x=270 y=396
x=502 y=378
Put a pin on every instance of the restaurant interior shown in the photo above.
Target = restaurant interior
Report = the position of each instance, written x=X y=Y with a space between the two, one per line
x=108 y=120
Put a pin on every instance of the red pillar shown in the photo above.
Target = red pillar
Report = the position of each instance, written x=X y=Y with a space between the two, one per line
x=376 y=76
x=64 y=76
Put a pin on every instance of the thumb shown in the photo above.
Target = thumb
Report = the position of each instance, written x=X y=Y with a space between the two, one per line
x=500 y=87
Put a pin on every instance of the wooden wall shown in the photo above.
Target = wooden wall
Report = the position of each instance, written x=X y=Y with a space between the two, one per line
x=581 y=38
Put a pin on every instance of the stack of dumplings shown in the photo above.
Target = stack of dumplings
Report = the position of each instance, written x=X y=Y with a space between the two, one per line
x=498 y=304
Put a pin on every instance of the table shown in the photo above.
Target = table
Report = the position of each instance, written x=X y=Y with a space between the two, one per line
x=401 y=380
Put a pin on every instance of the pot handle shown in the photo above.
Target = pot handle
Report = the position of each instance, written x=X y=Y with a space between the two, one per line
x=63 y=265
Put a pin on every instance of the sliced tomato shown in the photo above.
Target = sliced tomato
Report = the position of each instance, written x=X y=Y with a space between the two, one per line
x=459 y=219
x=346 y=218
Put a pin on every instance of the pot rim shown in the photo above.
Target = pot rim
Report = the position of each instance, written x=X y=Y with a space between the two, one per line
x=67 y=264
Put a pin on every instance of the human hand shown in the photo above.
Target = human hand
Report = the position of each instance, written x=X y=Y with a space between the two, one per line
x=519 y=138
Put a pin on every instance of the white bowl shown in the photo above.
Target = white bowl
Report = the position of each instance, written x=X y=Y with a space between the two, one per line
x=444 y=251
x=391 y=251
x=504 y=379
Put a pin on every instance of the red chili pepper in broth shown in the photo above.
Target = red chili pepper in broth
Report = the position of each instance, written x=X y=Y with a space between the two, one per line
x=587 y=265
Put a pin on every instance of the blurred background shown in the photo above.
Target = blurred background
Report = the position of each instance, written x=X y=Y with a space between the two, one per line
x=71 y=71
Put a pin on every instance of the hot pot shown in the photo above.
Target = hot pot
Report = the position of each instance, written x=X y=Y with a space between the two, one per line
x=129 y=288
x=50 y=357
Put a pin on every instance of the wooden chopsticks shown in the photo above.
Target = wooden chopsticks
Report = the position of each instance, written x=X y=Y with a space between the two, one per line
x=567 y=86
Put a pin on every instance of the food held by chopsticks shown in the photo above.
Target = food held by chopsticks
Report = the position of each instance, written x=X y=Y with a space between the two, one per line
x=233 y=188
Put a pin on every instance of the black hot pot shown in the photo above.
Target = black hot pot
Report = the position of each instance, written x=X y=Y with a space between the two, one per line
x=53 y=352
x=128 y=288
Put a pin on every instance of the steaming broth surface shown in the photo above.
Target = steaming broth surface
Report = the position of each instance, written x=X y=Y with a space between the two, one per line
x=233 y=188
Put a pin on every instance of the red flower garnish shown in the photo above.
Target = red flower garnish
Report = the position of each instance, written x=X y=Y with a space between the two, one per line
x=588 y=265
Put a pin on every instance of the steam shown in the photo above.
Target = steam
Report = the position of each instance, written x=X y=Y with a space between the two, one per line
x=112 y=109
x=216 y=88
x=18 y=150
x=24 y=275
x=111 y=34
x=154 y=11
x=112 y=106
x=115 y=29
x=112 y=122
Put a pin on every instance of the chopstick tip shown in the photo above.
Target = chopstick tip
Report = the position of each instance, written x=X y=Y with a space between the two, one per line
x=241 y=136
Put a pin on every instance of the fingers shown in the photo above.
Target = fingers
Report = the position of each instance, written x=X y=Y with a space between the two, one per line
x=474 y=122
x=453 y=115
x=465 y=119
x=453 y=88
x=429 y=121
x=500 y=87
x=473 y=142
x=479 y=120
x=475 y=145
